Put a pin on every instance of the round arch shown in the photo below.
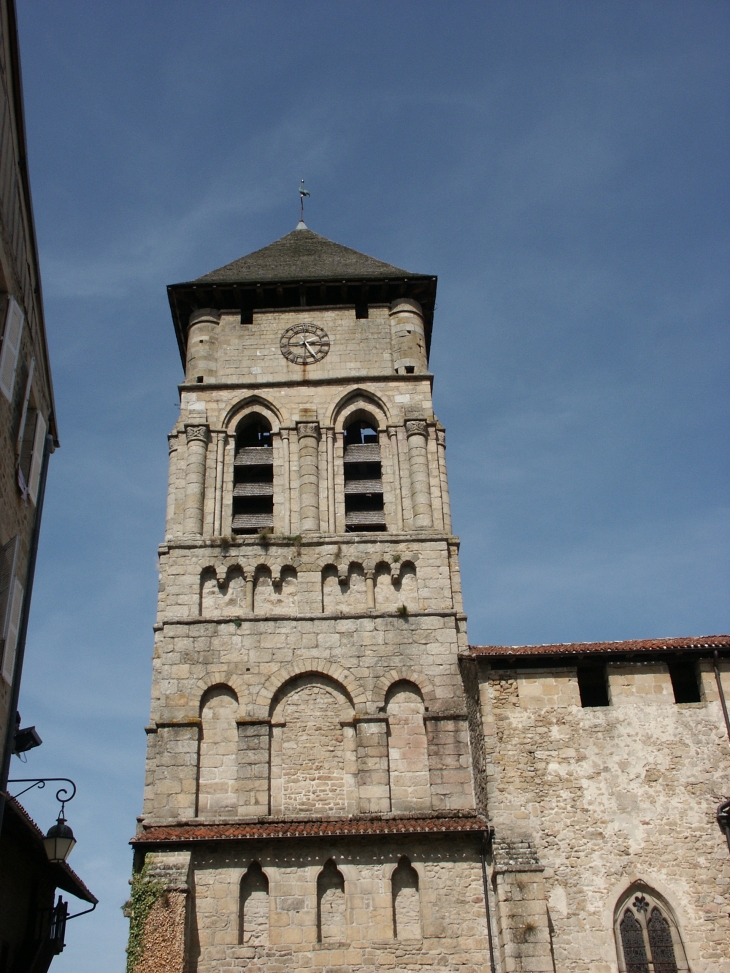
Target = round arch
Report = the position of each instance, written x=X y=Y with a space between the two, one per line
x=404 y=675
x=330 y=670
x=219 y=677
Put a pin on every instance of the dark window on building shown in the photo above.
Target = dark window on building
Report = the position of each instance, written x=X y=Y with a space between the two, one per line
x=593 y=685
x=632 y=940
x=364 y=509
x=648 y=937
x=253 y=477
x=685 y=683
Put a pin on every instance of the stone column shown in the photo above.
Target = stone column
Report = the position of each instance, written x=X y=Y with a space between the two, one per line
x=286 y=480
x=331 y=480
x=397 y=487
x=370 y=588
x=220 y=447
x=441 y=444
x=308 y=435
x=437 y=506
x=197 y=437
x=171 y=485
x=417 y=433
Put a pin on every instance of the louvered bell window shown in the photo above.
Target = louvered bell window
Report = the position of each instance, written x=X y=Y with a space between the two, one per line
x=253 y=477
x=363 y=479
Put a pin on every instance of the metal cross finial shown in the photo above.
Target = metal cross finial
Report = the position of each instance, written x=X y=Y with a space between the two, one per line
x=302 y=193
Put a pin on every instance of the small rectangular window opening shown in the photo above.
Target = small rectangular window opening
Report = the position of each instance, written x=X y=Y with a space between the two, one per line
x=593 y=685
x=199 y=379
x=685 y=682
x=410 y=369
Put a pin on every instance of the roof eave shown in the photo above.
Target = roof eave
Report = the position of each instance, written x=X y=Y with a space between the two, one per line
x=635 y=649
x=251 y=295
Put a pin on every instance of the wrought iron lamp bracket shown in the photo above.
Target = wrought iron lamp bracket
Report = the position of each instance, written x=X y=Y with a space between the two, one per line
x=40 y=783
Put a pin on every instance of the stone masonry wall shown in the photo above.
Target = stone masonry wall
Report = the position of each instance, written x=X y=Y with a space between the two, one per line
x=443 y=921
x=610 y=796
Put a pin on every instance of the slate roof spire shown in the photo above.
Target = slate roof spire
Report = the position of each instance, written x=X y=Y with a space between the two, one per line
x=302 y=255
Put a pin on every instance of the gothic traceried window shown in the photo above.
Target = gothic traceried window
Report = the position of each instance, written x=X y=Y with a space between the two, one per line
x=632 y=940
x=647 y=936
x=660 y=941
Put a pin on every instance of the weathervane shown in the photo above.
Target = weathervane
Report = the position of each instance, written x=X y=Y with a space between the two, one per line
x=302 y=193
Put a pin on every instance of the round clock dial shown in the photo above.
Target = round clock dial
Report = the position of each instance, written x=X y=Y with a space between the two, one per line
x=304 y=344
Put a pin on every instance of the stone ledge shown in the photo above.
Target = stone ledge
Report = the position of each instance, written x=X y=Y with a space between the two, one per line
x=193 y=832
x=309 y=617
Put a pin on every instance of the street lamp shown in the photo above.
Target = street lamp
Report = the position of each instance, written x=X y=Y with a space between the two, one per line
x=59 y=841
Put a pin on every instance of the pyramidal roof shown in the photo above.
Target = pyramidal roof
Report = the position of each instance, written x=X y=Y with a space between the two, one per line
x=302 y=255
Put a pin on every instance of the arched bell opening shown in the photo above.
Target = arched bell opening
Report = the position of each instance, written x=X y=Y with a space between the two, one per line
x=253 y=476
x=364 y=508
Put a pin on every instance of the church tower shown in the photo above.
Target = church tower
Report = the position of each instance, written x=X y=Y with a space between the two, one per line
x=310 y=799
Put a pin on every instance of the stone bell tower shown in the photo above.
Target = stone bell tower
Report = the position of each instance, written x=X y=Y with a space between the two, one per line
x=309 y=795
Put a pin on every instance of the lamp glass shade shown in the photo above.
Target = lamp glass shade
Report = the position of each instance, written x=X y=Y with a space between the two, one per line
x=59 y=841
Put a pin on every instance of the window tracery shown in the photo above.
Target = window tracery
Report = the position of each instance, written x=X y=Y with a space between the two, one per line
x=647 y=936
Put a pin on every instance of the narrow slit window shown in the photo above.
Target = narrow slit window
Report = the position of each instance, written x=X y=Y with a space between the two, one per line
x=364 y=509
x=593 y=686
x=253 y=477
x=685 y=682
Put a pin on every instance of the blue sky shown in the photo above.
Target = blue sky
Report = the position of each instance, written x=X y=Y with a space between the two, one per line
x=561 y=166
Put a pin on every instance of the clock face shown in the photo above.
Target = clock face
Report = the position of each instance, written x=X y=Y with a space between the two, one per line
x=304 y=344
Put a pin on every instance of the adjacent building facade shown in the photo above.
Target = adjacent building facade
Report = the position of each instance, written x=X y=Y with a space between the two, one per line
x=335 y=778
x=31 y=922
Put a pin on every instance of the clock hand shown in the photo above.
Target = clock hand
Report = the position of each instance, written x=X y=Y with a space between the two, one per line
x=309 y=348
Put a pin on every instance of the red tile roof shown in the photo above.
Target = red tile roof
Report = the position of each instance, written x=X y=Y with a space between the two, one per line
x=186 y=833
x=701 y=643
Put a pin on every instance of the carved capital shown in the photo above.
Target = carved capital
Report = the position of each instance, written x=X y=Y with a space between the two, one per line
x=441 y=437
x=197 y=433
x=172 y=442
x=305 y=429
x=416 y=427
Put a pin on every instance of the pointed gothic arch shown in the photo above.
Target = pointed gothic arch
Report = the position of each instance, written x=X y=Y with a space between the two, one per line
x=356 y=400
x=648 y=939
x=252 y=403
